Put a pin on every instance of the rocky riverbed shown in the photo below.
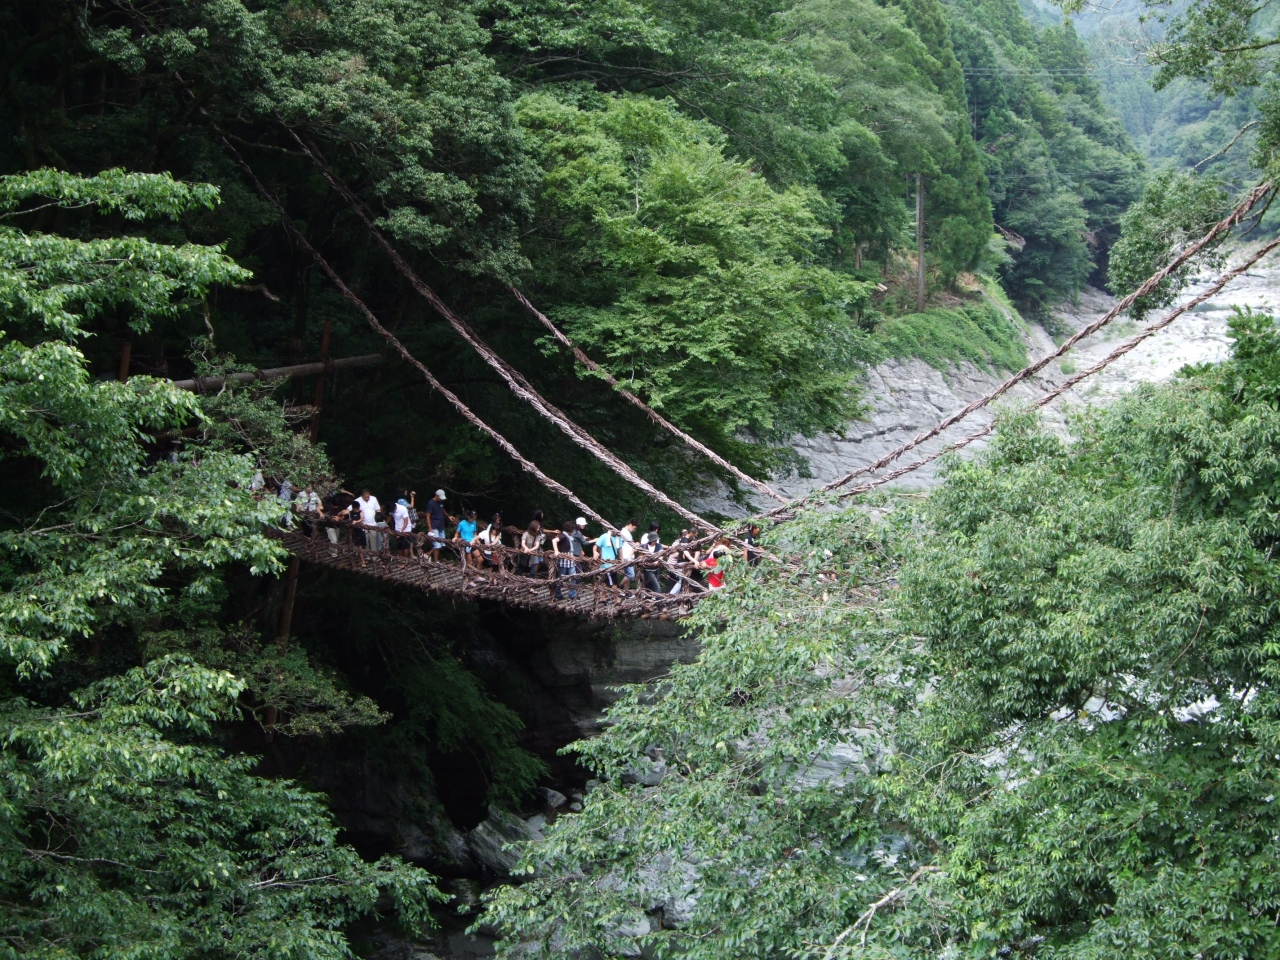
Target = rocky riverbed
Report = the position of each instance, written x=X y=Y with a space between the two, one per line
x=908 y=396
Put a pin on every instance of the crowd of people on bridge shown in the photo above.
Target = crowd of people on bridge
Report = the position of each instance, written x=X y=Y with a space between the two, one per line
x=409 y=530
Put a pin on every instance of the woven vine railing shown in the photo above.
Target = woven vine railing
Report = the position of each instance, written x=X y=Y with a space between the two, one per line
x=532 y=580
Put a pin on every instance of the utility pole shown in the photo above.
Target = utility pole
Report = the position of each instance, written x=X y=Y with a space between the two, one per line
x=920 y=284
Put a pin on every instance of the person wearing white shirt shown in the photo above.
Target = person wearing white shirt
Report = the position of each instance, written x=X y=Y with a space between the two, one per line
x=307 y=504
x=491 y=536
x=367 y=506
x=402 y=520
x=628 y=551
x=379 y=537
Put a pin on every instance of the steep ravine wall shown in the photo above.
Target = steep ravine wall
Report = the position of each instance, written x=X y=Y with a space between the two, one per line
x=559 y=675
x=909 y=396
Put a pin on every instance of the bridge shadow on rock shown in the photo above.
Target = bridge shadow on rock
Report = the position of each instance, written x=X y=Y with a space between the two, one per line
x=396 y=787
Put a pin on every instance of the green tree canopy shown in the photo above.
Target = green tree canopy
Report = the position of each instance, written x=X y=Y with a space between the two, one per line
x=1061 y=169
x=692 y=276
x=1055 y=735
x=124 y=826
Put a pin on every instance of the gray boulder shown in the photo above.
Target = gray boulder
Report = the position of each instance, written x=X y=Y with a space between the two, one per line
x=671 y=886
x=555 y=799
x=646 y=772
x=444 y=848
x=623 y=936
x=494 y=842
x=835 y=768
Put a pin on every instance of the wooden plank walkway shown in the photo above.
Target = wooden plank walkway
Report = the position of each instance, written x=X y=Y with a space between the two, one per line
x=595 y=598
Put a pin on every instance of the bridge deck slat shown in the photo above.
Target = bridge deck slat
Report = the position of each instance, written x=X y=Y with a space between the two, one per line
x=592 y=601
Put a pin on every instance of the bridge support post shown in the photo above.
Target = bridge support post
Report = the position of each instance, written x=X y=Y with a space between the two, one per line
x=271 y=714
x=286 y=608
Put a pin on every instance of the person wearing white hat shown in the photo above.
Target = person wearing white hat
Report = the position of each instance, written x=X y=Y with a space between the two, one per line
x=578 y=538
x=402 y=515
x=436 y=518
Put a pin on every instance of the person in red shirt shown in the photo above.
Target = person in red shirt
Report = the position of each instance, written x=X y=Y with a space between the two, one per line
x=712 y=561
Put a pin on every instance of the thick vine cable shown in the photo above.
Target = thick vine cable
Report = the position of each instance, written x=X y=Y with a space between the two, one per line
x=513 y=378
x=470 y=416
x=1222 y=226
x=1073 y=381
x=635 y=401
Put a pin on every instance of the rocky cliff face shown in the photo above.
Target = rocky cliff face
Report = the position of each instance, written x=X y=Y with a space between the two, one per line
x=561 y=673
x=909 y=396
x=558 y=674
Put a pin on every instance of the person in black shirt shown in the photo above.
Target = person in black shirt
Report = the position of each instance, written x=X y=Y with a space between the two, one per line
x=651 y=542
x=333 y=508
x=566 y=565
x=436 y=518
x=752 y=553
x=357 y=528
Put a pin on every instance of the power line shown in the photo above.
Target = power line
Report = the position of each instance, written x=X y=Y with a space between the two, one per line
x=1018 y=72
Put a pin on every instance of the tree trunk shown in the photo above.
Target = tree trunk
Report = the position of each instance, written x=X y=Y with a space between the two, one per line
x=208 y=384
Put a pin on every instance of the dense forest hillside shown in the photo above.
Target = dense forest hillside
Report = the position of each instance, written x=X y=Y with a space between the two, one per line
x=1060 y=168
x=717 y=203
x=1175 y=121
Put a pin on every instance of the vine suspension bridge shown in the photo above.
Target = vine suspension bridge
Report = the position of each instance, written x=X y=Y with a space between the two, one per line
x=586 y=592
x=589 y=591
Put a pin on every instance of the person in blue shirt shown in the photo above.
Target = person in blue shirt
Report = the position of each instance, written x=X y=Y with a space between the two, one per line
x=467 y=534
x=607 y=547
